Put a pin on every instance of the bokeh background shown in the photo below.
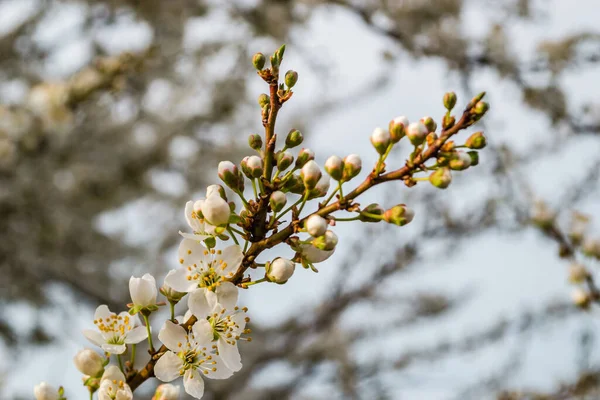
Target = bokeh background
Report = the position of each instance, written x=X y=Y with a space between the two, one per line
x=114 y=113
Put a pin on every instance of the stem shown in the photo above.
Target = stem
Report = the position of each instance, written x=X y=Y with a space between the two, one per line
x=91 y=395
x=289 y=208
x=172 y=307
x=419 y=179
x=348 y=219
x=286 y=176
x=341 y=192
x=132 y=359
x=120 y=363
x=231 y=231
x=239 y=193
x=303 y=202
x=149 y=333
x=256 y=282
x=382 y=158
x=254 y=188
x=333 y=193
x=246 y=245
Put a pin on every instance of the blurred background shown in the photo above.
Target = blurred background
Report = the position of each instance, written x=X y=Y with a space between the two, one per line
x=114 y=113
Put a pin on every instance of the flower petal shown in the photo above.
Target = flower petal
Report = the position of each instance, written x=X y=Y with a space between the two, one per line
x=192 y=252
x=168 y=366
x=113 y=373
x=231 y=259
x=193 y=236
x=193 y=383
x=220 y=370
x=102 y=312
x=136 y=335
x=114 y=348
x=177 y=280
x=172 y=336
x=226 y=295
x=230 y=355
x=93 y=336
x=199 y=304
x=203 y=333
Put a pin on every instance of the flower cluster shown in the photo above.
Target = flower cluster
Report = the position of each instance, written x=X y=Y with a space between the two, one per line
x=274 y=197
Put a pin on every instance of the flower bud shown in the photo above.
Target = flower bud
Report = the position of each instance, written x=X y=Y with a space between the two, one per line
x=280 y=270
x=252 y=167
x=216 y=211
x=304 y=156
x=578 y=227
x=321 y=189
x=380 y=139
x=277 y=200
x=591 y=248
x=43 y=391
x=88 y=362
x=258 y=60
x=284 y=160
x=481 y=107
x=263 y=100
x=448 y=121
x=143 y=290
x=326 y=242
x=294 y=184
x=228 y=172
x=374 y=209
x=542 y=215
x=352 y=167
x=441 y=178
x=214 y=190
x=474 y=158
x=459 y=161
x=316 y=225
x=172 y=295
x=294 y=138
x=255 y=141
x=449 y=100
x=291 y=77
x=166 y=391
x=431 y=138
x=476 y=141
x=397 y=128
x=577 y=273
x=581 y=298
x=416 y=133
x=429 y=124
x=399 y=215
x=310 y=174
x=335 y=167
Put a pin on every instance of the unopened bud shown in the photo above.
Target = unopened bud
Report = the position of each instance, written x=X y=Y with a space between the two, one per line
x=263 y=100
x=252 y=167
x=44 y=391
x=370 y=213
x=280 y=270
x=591 y=247
x=578 y=227
x=277 y=200
x=481 y=108
x=352 y=167
x=476 y=141
x=397 y=128
x=416 y=133
x=255 y=141
x=441 y=178
x=429 y=124
x=399 y=215
x=321 y=188
x=316 y=225
x=542 y=215
x=431 y=138
x=310 y=174
x=380 y=139
x=214 y=190
x=581 y=298
x=172 y=295
x=335 y=167
x=449 y=100
x=294 y=184
x=474 y=158
x=166 y=391
x=577 y=273
x=228 y=172
x=459 y=161
x=284 y=160
x=88 y=362
x=294 y=138
x=291 y=77
x=216 y=211
x=258 y=60
x=448 y=121
x=304 y=156
x=326 y=242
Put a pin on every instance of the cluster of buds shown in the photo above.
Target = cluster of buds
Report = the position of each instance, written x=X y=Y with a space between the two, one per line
x=229 y=237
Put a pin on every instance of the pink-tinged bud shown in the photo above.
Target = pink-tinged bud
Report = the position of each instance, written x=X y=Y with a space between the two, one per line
x=335 y=167
x=280 y=270
x=284 y=160
x=398 y=128
x=326 y=242
x=44 y=391
x=216 y=211
x=399 y=215
x=88 y=362
x=291 y=77
x=449 y=100
x=294 y=184
x=304 y=156
x=441 y=178
x=581 y=298
x=255 y=141
x=254 y=165
x=166 y=391
x=372 y=213
x=429 y=124
x=216 y=190
x=228 y=172
x=316 y=225
x=578 y=273
x=416 y=133
x=277 y=200
x=263 y=100
x=321 y=189
x=258 y=60
x=476 y=141
x=294 y=138
x=380 y=139
x=352 y=167
x=310 y=174
x=459 y=161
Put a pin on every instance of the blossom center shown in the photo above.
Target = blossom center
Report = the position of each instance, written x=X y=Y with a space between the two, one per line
x=118 y=325
x=225 y=326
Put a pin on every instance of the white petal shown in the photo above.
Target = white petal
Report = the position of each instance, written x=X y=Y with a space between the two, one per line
x=125 y=316
x=102 y=312
x=172 y=335
x=230 y=355
x=113 y=373
x=193 y=236
x=114 y=348
x=93 y=336
x=226 y=295
x=168 y=366
x=177 y=280
x=136 y=335
x=192 y=252
x=199 y=304
x=143 y=290
x=193 y=383
x=124 y=394
x=203 y=332
x=222 y=372
x=189 y=209
x=240 y=320
x=232 y=258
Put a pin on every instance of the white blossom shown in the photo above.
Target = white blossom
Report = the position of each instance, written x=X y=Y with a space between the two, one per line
x=190 y=355
x=316 y=225
x=281 y=270
x=113 y=385
x=216 y=210
x=88 y=362
x=44 y=391
x=313 y=255
x=166 y=391
x=143 y=290
x=116 y=331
